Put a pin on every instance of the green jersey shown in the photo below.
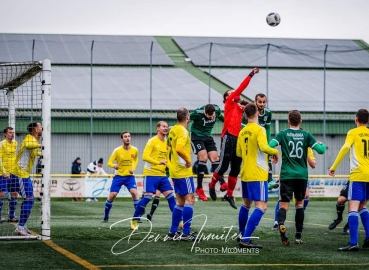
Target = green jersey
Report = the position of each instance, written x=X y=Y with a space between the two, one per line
x=294 y=145
x=201 y=125
x=265 y=120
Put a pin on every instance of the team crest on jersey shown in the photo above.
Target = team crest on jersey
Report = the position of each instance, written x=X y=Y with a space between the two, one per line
x=132 y=156
x=265 y=118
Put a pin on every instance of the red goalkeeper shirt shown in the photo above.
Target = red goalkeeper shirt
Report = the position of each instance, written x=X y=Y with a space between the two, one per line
x=233 y=111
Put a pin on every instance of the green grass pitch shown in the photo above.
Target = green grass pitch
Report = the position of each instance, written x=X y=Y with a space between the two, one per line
x=81 y=241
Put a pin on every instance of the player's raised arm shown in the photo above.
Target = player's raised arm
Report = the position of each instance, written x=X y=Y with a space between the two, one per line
x=244 y=84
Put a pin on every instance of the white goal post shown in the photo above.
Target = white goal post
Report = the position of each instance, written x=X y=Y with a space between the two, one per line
x=25 y=97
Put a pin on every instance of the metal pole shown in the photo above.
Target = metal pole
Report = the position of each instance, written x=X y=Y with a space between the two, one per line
x=33 y=59
x=152 y=44
x=91 y=101
x=211 y=47
x=267 y=74
x=324 y=108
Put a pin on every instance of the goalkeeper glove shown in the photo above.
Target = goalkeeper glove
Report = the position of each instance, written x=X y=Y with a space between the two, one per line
x=254 y=71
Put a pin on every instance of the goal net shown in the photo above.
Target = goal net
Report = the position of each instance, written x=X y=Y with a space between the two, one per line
x=25 y=98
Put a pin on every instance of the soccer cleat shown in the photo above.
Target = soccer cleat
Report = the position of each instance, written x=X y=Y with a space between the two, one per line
x=134 y=225
x=346 y=229
x=366 y=243
x=189 y=237
x=349 y=247
x=105 y=220
x=212 y=193
x=224 y=187
x=22 y=230
x=149 y=217
x=298 y=241
x=334 y=224
x=275 y=226
x=230 y=200
x=174 y=236
x=249 y=244
x=88 y=200
x=180 y=225
x=284 y=238
x=27 y=229
x=14 y=219
x=201 y=194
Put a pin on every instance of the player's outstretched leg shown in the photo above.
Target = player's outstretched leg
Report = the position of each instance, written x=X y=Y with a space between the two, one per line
x=252 y=224
x=154 y=205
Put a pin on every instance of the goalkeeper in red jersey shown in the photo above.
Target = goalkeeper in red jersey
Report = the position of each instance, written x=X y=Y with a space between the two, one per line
x=231 y=128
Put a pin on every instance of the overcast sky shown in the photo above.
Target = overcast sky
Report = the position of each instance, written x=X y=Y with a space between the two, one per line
x=342 y=19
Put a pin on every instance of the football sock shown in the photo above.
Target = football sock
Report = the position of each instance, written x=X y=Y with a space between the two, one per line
x=276 y=212
x=140 y=208
x=12 y=206
x=187 y=218
x=340 y=208
x=108 y=206
x=171 y=201
x=135 y=202
x=252 y=224
x=154 y=205
x=243 y=216
x=299 y=219
x=306 y=202
x=200 y=173
x=176 y=218
x=353 y=220
x=214 y=165
x=281 y=216
x=25 y=210
x=216 y=177
x=232 y=181
x=364 y=214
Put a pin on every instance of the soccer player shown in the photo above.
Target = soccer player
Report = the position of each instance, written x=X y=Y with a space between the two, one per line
x=252 y=147
x=232 y=126
x=294 y=144
x=357 y=141
x=156 y=157
x=312 y=163
x=181 y=174
x=20 y=180
x=340 y=207
x=203 y=144
x=124 y=160
x=8 y=149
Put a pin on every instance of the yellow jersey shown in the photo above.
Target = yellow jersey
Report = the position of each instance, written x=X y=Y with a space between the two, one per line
x=126 y=160
x=8 y=153
x=357 y=141
x=252 y=147
x=155 y=151
x=26 y=157
x=179 y=135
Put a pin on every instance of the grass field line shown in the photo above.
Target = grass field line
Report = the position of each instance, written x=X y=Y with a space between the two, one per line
x=70 y=255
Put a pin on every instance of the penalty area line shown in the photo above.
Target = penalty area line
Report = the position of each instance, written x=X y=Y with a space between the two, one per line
x=70 y=255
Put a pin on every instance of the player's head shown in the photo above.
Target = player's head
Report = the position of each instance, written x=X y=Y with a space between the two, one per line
x=209 y=111
x=126 y=138
x=294 y=118
x=227 y=94
x=260 y=101
x=162 y=128
x=183 y=115
x=35 y=129
x=100 y=162
x=251 y=110
x=9 y=133
x=362 y=116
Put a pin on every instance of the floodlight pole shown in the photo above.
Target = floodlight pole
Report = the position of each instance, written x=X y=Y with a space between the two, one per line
x=324 y=108
x=211 y=47
x=267 y=74
x=152 y=44
x=91 y=101
x=33 y=59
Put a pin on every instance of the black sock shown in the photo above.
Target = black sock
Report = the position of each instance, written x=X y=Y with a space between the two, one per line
x=340 y=208
x=282 y=213
x=154 y=205
x=200 y=173
x=299 y=220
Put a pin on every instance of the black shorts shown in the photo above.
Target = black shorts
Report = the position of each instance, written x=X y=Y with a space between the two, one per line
x=296 y=187
x=202 y=143
x=344 y=190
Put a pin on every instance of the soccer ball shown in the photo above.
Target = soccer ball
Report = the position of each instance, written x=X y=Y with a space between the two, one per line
x=273 y=19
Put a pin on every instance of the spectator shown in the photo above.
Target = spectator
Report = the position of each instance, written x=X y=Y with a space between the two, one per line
x=95 y=167
x=76 y=169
